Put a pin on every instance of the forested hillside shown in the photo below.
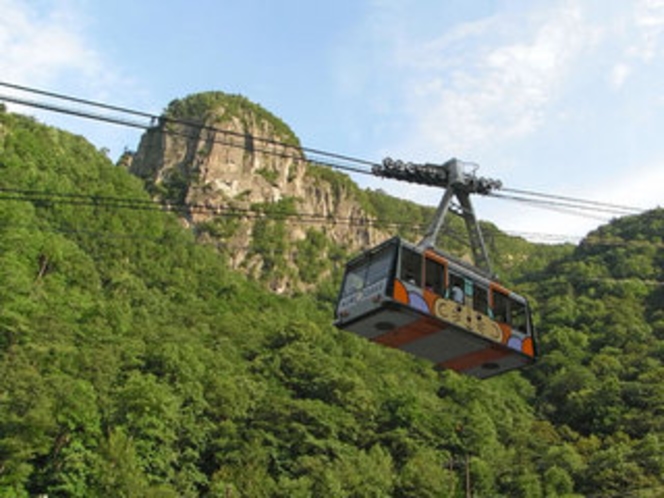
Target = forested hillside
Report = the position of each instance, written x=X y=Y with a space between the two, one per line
x=600 y=378
x=135 y=362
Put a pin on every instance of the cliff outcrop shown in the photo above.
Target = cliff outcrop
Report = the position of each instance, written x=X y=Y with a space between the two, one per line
x=239 y=179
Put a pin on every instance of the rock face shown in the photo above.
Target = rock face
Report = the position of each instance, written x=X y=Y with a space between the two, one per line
x=236 y=171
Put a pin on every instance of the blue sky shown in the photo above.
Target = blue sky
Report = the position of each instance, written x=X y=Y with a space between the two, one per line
x=558 y=96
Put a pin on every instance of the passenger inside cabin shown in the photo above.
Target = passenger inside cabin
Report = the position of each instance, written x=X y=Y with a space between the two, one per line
x=457 y=292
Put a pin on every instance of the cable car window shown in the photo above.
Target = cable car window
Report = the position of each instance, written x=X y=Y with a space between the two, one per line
x=355 y=279
x=501 y=307
x=369 y=270
x=519 y=316
x=434 y=276
x=380 y=265
x=457 y=288
x=481 y=299
x=411 y=266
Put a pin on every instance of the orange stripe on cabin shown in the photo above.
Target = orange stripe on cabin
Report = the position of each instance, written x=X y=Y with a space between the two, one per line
x=435 y=256
x=409 y=333
x=497 y=287
x=400 y=292
x=474 y=359
x=506 y=330
x=430 y=298
x=528 y=347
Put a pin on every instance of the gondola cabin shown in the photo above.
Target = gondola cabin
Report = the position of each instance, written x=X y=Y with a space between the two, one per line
x=430 y=305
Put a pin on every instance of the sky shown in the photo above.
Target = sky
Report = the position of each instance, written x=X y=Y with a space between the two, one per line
x=564 y=97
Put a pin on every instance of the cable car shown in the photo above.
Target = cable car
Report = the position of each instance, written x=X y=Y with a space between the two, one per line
x=425 y=302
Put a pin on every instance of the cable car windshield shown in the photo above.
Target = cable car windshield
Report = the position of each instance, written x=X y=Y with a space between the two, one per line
x=367 y=276
x=367 y=271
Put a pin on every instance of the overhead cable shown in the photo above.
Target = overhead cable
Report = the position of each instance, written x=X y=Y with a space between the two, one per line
x=617 y=208
x=579 y=209
x=46 y=198
x=569 y=205
x=317 y=156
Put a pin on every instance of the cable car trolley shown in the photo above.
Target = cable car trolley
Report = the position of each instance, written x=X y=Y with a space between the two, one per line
x=423 y=301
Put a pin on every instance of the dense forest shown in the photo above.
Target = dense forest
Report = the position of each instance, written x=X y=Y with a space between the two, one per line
x=135 y=363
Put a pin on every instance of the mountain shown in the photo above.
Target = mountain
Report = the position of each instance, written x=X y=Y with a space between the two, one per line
x=136 y=361
x=219 y=154
x=599 y=381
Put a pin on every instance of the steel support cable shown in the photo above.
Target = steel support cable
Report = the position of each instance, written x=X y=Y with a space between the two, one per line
x=569 y=206
x=107 y=202
x=165 y=120
x=110 y=202
x=73 y=112
x=78 y=100
x=221 y=244
x=556 y=238
x=269 y=141
x=228 y=142
x=554 y=201
x=590 y=203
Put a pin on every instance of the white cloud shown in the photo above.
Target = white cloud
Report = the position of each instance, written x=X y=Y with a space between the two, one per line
x=39 y=45
x=619 y=75
x=508 y=87
x=48 y=46
x=641 y=34
x=492 y=80
x=649 y=26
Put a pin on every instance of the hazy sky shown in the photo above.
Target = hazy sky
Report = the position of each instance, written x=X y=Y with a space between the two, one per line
x=557 y=96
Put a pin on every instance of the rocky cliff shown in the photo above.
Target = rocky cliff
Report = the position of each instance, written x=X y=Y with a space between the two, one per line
x=239 y=178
